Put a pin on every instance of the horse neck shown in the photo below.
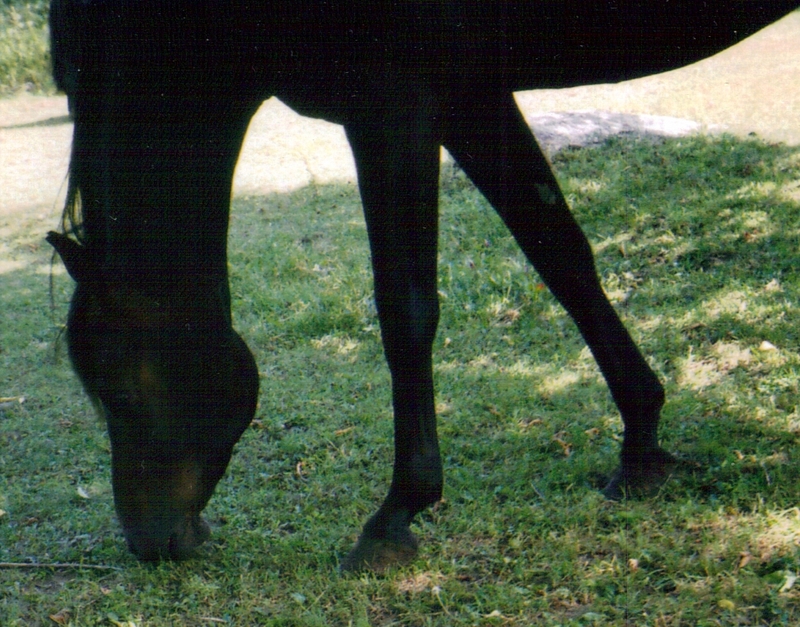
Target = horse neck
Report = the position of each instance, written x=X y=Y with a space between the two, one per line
x=151 y=188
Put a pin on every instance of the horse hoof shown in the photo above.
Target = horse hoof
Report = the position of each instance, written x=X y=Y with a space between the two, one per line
x=642 y=475
x=378 y=555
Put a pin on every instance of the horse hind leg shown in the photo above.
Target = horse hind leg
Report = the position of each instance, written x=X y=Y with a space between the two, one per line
x=488 y=137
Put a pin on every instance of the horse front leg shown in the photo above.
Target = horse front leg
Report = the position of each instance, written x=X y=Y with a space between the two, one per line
x=489 y=138
x=398 y=171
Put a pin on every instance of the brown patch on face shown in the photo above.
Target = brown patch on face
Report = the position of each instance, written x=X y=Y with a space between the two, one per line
x=149 y=382
x=181 y=490
x=187 y=487
x=142 y=380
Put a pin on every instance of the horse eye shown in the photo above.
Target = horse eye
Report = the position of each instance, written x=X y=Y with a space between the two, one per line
x=123 y=398
x=117 y=402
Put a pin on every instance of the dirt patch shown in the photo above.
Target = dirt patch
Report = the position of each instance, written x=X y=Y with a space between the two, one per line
x=35 y=138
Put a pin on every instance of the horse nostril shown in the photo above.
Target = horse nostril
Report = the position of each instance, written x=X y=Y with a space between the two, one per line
x=175 y=542
x=182 y=542
x=145 y=551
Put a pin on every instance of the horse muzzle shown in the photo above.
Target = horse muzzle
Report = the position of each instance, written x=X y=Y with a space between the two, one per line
x=177 y=542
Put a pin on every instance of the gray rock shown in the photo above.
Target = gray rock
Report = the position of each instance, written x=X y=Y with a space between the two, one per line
x=556 y=131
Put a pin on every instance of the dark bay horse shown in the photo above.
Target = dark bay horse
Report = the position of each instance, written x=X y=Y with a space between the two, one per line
x=162 y=93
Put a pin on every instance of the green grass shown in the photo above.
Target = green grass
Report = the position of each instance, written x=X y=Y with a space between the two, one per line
x=24 y=47
x=697 y=243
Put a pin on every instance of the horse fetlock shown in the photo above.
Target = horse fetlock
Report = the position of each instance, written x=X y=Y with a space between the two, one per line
x=642 y=404
x=641 y=414
x=638 y=445
x=419 y=484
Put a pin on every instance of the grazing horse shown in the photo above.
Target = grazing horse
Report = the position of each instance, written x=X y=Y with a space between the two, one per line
x=161 y=93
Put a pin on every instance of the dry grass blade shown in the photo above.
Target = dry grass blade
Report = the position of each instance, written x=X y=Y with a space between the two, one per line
x=59 y=566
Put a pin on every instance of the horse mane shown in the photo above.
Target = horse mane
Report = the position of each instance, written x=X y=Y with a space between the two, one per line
x=72 y=222
x=71 y=52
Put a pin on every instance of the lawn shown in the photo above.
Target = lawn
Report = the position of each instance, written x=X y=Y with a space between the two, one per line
x=697 y=243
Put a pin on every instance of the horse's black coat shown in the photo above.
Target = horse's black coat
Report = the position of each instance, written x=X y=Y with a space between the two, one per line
x=162 y=93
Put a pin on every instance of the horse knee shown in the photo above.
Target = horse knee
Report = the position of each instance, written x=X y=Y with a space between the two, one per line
x=408 y=331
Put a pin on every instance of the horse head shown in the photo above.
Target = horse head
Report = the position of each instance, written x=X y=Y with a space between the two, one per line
x=176 y=386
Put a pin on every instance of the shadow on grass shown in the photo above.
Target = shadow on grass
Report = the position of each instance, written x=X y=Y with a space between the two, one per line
x=55 y=121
